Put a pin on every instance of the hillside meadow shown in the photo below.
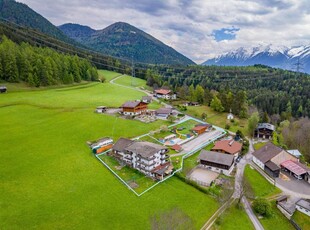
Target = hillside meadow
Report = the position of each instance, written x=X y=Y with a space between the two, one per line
x=49 y=178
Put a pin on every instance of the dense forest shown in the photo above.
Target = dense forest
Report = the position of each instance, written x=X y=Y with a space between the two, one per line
x=278 y=92
x=41 y=66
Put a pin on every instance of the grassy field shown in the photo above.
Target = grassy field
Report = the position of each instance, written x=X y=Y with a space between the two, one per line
x=259 y=145
x=234 y=218
x=129 y=81
x=218 y=119
x=302 y=220
x=260 y=186
x=108 y=75
x=276 y=221
x=49 y=178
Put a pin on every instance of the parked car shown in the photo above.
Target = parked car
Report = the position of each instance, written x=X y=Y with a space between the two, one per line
x=238 y=159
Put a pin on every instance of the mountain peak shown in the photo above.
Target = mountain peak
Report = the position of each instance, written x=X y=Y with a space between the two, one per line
x=123 y=40
x=278 y=56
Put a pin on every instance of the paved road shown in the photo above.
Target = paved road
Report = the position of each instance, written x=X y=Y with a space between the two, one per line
x=253 y=218
x=238 y=187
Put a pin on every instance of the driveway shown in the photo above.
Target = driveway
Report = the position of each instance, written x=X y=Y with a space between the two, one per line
x=199 y=142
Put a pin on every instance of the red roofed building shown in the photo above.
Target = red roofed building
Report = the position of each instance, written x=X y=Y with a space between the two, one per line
x=228 y=146
x=165 y=94
x=297 y=169
x=199 y=129
x=177 y=147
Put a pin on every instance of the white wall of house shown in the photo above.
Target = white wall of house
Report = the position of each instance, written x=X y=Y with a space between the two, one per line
x=219 y=170
x=303 y=210
x=259 y=163
x=132 y=113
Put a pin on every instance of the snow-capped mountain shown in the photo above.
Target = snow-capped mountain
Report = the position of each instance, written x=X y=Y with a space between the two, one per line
x=275 y=56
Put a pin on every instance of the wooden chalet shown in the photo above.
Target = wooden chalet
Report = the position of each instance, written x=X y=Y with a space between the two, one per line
x=264 y=130
x=134 y=108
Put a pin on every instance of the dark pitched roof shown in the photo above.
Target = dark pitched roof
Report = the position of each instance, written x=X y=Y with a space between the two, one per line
x=163 y=111
x=267 y=152
x=131 y=104
x=304 y=203
x=121 y=144
x=147 y=98
x=219 y=158
x=272 y=166
x=265 y=126
x=144 y=149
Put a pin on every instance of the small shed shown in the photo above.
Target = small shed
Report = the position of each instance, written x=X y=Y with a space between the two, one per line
x=101 y=109
x=3 y=89
x=199 y=129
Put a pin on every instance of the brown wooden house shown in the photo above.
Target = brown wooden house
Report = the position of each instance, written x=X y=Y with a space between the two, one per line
x=134 y=107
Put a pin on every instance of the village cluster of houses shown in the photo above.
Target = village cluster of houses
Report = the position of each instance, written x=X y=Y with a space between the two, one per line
x=272 y=159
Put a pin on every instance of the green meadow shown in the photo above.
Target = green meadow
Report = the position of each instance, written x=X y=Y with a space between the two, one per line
x=49 y=179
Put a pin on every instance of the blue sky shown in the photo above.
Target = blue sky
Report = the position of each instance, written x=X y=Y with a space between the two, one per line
x=225 y=34
x=200 y=29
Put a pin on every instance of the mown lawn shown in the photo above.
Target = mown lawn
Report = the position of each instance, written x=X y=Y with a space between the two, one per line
x=302 y=220
x=49 y=179
x=259 y=145
x=276 y=221
x=234 y=218
x=218 y=119
x=260 y=186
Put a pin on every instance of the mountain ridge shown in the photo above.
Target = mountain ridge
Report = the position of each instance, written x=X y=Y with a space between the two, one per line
x=274 y=56
x=123 y=40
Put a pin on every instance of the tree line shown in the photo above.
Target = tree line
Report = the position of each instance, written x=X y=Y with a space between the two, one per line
x=41 y=66
x=277 y=92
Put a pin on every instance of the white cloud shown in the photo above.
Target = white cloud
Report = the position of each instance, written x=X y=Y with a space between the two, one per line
x=187 y=26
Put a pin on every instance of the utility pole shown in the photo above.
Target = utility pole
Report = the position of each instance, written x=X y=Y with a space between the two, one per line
x=298 y=65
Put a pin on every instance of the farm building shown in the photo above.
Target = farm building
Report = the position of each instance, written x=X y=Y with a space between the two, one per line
x=264 y=130
x=295 y=153
x=149 y=158
x=165 y=94
x=191 y=103
x=134 y=108
x=217 y=162
x=101 y=109
x=303 y=206
x=296 y=169
x=270 y=157
x=228 y=146
x=146 y=99
x=163 y=112
x=3 y=89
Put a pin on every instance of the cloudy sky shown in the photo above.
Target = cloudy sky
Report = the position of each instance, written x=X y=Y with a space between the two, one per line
x=200 y=29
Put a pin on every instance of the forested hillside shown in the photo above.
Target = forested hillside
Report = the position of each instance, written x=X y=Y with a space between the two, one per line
x=127 y=42
x=41 y=66
x=278 y=92
x=21 y=14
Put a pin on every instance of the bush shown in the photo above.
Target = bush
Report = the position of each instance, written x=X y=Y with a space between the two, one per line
x=262 y=207
x=227 y=126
